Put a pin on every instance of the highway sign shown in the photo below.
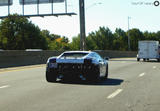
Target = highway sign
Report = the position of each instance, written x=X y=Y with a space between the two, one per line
x=39 y=1
x=5 y=2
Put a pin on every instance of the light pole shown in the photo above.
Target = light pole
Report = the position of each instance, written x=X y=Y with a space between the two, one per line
x=82 y=25
x=129 y=46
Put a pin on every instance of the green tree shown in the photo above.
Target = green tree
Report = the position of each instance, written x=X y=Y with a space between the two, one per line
x=135 y=36
x=75 y=44
x=100 y=40
x=17 y=33
x=157 y=36
x=59 y=44
x=55 y=42
x=120 y=41
x=150 y=35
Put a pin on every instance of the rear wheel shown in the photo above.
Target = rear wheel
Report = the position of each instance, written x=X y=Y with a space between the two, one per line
x=144 y=59
x=106 y=76
x=93 y=76
x=138 y=59
x=51 y=76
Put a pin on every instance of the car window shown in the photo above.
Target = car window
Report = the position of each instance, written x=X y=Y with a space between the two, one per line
x=73 y=55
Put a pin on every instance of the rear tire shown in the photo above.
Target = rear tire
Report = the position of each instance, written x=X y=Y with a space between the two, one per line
x=106 y=76
x=93 y=76
x=51 y=76
x=144 y=59
x=138 y=59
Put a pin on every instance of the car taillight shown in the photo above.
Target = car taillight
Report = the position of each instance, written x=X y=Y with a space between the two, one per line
x=87 y=61
x=52 y=60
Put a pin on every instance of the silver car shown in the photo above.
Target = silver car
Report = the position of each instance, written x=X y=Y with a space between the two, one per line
x=86 y=65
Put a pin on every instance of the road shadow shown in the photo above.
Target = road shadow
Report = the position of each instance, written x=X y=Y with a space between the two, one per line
x=149 y=61
x=134 y=60
x=106 y=82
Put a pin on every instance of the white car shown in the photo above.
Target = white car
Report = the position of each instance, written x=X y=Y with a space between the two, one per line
x=86 y=65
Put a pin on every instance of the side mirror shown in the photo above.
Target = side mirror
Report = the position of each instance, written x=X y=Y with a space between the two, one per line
x=106 y=58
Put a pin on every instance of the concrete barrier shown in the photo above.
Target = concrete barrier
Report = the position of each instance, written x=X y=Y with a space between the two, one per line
x=22 y=58
x=116 y=54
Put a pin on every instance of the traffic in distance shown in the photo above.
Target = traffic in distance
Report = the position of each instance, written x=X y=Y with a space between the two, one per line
x=148 y=50
x=86 y=65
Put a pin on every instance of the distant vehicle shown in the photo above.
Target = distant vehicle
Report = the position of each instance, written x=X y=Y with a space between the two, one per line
x=33 y=50
x=148 y=50
x=86 y=65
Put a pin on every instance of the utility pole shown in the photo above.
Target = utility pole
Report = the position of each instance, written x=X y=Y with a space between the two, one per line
x=82 y=25
x=8 y=7
x=129 y=46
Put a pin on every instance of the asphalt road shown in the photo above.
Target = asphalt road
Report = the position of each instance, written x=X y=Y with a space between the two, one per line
x=132 y=86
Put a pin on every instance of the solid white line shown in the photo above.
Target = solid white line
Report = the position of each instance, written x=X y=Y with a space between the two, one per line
x=115 y=93
x=141 y=74
x=154 y=67
x=4 y=86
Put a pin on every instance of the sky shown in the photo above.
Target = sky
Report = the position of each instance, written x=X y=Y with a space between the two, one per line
x=113 y=14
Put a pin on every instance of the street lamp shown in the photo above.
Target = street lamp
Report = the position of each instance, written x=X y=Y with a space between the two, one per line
x=129 y=46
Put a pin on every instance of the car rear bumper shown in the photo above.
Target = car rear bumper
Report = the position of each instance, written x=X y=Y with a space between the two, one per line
x=72 y=69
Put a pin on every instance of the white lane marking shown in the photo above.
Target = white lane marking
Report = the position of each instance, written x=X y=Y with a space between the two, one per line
x=154 y=67
x=141 y=74
x=4 y=86
x=115 y=93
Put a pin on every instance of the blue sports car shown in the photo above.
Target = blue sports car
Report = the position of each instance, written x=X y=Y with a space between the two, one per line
x=86 y=65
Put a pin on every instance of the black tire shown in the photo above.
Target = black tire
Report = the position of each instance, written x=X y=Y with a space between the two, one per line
x=144 y=59
x=138 y=59
x=158 y=60
x=51 y=76
x=93 y=76
x=106 y=76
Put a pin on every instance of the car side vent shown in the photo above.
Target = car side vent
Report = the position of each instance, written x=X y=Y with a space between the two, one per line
x=87 y=61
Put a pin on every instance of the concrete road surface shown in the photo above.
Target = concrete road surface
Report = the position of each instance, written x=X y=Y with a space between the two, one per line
x=132 y=86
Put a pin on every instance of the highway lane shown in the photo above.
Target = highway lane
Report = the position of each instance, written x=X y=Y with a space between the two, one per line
x=132 y=86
